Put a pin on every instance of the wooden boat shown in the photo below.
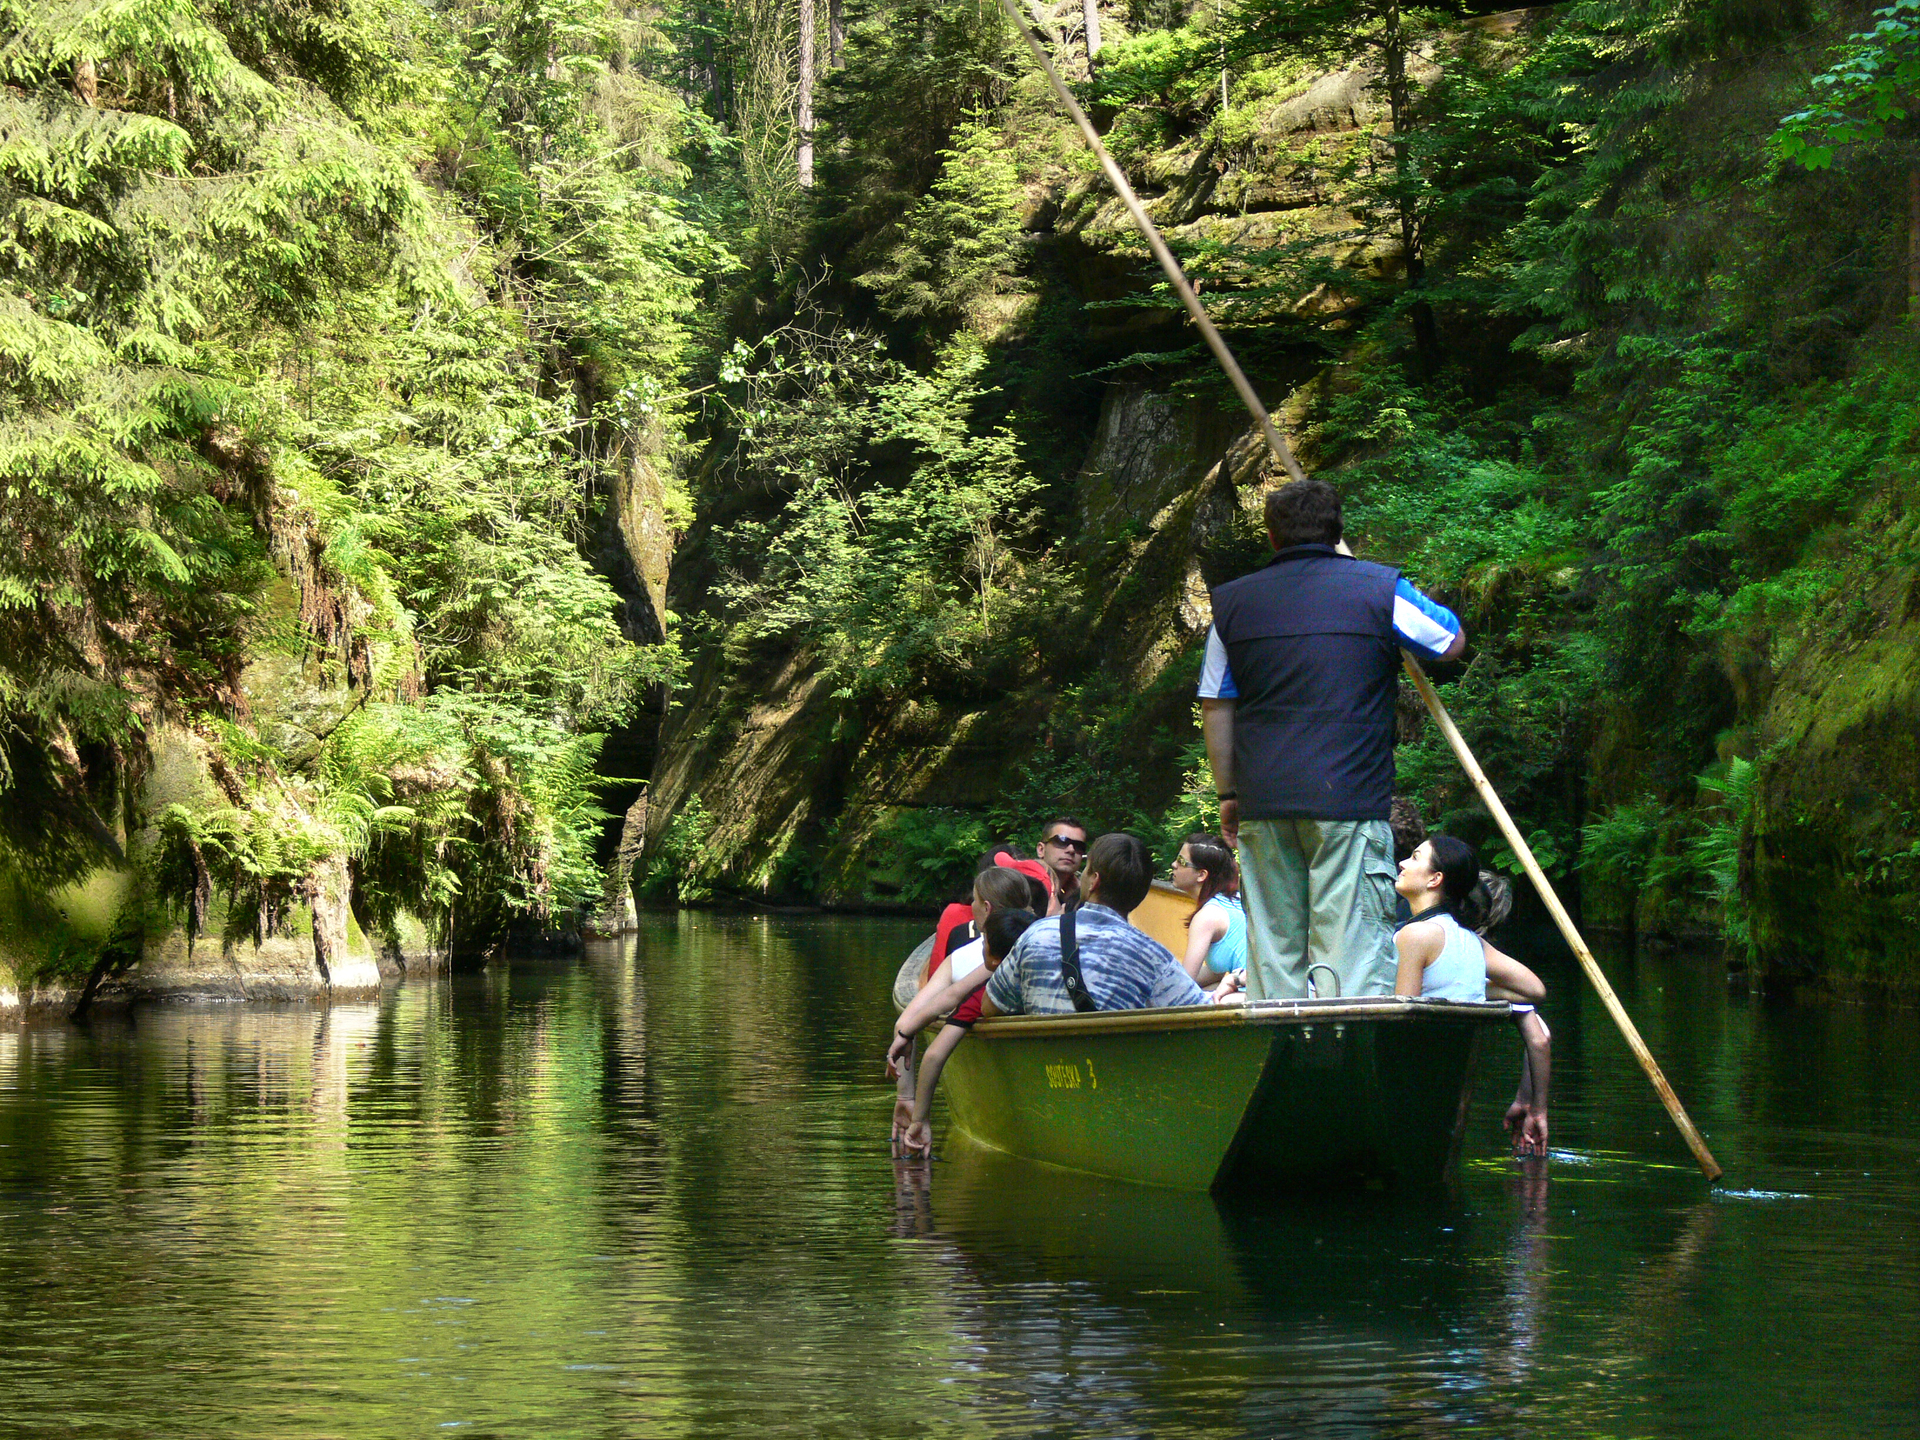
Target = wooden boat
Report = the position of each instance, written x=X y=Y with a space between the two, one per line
x=1273 y=1093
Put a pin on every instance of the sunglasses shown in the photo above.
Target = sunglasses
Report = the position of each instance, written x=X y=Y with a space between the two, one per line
x=1067 y=842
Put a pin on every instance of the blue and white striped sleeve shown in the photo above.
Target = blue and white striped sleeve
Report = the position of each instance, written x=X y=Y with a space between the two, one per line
x=1420 y=624
x=1216 y=679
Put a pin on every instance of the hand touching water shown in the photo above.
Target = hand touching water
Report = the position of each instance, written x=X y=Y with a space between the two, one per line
x=1527 y=1128
x=918 y=1144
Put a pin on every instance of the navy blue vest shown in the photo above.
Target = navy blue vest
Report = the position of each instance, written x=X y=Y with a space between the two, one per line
x=1310 y=642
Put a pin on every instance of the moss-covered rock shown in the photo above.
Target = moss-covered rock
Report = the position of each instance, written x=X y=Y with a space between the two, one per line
x=112 y=930
x=1834 y=867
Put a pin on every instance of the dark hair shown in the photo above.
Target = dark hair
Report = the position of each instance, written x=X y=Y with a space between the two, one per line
x=1459 y=871
x=1210 y=853
x=1002 y=888
x=999 y=847
x=1047 y=828
x=1039 y=897
x=1493 y=897
x=1003 y=928
x=1305 y=512
x=1125 y=867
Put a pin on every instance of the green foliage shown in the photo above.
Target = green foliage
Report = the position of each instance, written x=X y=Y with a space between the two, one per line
x=324 y=332
x=890 y=580
x=1549 y=850
x=1866 y=88
x=1194 y=810
x=677 y=867
x=958 y=243
x=915 y=70
x=1618 y=849
x=1081 y=781
x=259 y=861
x=1715 y=852
x=938 y=849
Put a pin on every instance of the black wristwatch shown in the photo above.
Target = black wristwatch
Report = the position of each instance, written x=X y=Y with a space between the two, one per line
x=1228 y=795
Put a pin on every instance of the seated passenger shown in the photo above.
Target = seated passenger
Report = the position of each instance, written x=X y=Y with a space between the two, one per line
x=997 y=886
x=1217 y=929
x=995 y=889
x=955 y=927
x=1003 y=929
x=1120 y=968
x=1442 y=956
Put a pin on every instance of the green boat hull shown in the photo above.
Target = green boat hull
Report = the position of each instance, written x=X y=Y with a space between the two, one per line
x=1274 y=1094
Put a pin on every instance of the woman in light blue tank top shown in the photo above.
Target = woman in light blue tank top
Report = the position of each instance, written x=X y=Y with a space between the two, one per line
x=1439 y=956
x=1442 y=958
x=1217 y=929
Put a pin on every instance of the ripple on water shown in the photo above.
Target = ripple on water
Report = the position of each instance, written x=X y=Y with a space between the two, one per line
x=670 y=1155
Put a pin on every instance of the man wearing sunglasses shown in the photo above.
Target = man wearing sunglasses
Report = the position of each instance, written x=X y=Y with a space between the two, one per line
x=1063 y=846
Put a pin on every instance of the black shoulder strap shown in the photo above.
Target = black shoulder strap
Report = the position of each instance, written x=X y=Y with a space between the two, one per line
x=1070 y=962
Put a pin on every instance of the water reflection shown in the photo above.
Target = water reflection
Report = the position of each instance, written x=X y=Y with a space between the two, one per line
x=648 y=1193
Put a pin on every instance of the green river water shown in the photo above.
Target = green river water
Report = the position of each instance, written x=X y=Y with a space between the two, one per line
x=647 y=1192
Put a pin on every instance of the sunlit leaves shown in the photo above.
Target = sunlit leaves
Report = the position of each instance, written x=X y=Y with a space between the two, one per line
x=1869 y=87
x=959 y=242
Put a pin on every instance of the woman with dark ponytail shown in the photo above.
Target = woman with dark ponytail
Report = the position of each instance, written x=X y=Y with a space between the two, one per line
x=1442 y=956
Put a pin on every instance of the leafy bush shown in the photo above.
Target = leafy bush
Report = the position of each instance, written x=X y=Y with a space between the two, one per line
x=938 y=850
x=1715 y=852
x=1618 y=848
x=674 y=867
x=890 y=582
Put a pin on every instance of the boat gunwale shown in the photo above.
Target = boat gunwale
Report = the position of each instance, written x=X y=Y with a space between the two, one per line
x=1371 y=1009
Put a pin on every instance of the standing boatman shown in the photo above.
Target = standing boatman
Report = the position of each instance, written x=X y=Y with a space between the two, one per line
x=1297 y=702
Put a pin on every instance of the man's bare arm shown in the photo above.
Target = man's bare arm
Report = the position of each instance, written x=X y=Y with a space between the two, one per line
x=1216 y=724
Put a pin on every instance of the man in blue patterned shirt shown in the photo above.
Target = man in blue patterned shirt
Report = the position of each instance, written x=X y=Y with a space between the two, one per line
x=1121 y=967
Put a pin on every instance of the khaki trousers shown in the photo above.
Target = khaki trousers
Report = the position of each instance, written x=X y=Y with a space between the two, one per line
x=1318 y=891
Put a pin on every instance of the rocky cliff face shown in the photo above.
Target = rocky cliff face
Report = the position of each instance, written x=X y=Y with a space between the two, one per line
x=792 y=787
x=134 y=949
x=772 y=786
x=109 y=937
x=1833 y=857
x=634 y=550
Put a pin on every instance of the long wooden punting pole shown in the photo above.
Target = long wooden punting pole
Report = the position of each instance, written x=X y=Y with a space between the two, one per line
x=1284 y=454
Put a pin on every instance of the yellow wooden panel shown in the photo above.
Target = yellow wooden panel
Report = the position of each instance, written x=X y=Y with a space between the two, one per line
x=1163 y=915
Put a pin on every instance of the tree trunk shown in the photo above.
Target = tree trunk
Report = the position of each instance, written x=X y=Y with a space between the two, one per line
x=1913 y=238
x=1426 y=338
x=708 y=64
x=1223 y=67
x=1090 y=12
x=806 y=94
x=836 y=35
